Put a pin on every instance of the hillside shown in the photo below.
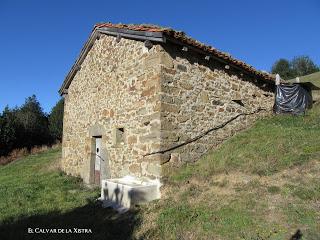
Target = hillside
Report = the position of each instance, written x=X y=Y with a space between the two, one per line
x=262 y=183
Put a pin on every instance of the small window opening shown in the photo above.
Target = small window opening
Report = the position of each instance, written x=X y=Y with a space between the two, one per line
x=238 y=101
x=119 y=135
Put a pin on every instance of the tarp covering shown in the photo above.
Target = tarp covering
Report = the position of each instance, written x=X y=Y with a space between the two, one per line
x=293 y=99
x=310 y=82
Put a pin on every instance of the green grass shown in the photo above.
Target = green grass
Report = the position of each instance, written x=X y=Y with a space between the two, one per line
x=274 y=189
x=35 y=194
x=273 y=144
x=28 y=187
x=261 y=184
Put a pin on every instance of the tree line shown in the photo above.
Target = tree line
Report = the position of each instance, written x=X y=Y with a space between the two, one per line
x=297 y=67
x=28 y=126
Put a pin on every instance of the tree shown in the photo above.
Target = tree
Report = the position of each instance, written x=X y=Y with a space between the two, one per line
x=10 y=130
x=26 y=126
x=303 y=65
x=298 y=66
x=56 y=120
x=283 y=68
x=34 y=122
x=7 y=136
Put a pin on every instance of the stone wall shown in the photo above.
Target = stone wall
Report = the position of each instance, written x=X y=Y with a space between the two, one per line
x=118 y=86
x=197 y=95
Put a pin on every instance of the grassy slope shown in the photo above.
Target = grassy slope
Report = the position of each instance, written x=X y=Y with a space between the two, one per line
x=34 y=185
x=35 y=194
x=261 y=184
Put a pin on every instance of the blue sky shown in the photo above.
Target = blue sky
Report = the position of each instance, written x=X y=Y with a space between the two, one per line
x=40 y=40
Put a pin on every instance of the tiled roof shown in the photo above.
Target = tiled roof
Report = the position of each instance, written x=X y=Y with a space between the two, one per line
x=182 y=37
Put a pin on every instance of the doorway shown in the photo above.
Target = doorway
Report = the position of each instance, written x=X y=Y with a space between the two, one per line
x=97 y=167
x=97 y=162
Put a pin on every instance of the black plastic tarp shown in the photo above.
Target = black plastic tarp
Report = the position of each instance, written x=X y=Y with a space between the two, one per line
x=292 y=98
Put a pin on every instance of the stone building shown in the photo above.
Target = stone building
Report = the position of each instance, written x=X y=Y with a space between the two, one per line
x=141 y=89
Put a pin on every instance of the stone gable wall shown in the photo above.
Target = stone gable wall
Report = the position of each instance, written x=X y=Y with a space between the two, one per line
x=118 y=85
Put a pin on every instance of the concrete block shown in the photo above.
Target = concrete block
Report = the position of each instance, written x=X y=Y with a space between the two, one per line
x=123 y=193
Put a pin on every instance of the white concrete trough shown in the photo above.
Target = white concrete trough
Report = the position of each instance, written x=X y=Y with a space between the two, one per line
x=123 y=193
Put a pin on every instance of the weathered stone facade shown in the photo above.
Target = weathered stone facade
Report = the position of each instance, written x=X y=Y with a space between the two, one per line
x=118 y=85
x=198 y=95
x=160 y=97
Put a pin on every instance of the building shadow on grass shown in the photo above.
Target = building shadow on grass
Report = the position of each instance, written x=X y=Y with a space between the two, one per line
x=104 y=223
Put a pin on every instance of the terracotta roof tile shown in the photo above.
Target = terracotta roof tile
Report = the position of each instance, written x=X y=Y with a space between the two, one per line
x=181 y=36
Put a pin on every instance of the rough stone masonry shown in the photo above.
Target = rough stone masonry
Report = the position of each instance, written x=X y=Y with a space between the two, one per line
x=153 y=96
